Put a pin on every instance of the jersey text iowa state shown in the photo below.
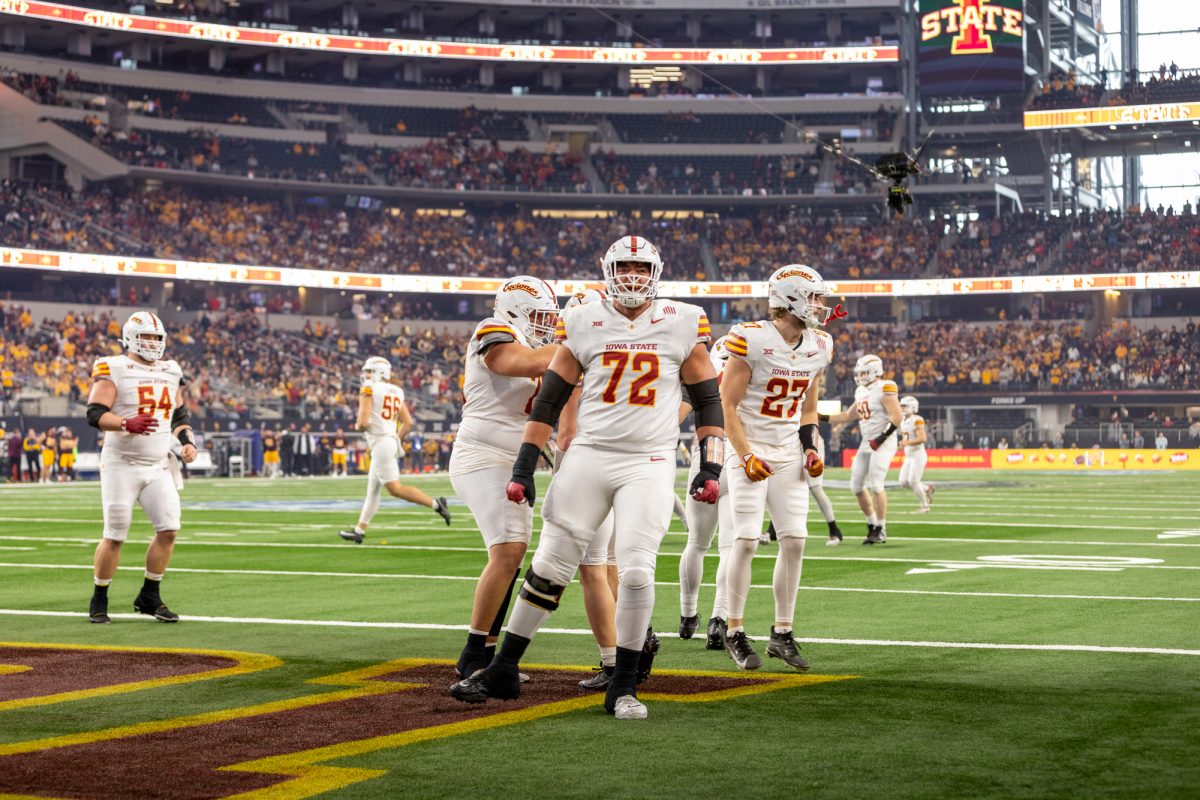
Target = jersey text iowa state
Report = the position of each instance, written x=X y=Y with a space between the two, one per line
x=630 y=346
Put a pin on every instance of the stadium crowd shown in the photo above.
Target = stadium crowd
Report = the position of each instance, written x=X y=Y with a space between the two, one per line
x=1167 y=84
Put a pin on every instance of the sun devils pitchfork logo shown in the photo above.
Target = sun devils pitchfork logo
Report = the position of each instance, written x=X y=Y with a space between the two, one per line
x=973 y=22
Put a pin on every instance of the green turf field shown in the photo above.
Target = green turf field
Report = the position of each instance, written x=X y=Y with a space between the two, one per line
x=1037 y=635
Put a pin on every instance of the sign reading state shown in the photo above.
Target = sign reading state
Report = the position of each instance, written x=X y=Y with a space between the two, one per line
x=971 y=47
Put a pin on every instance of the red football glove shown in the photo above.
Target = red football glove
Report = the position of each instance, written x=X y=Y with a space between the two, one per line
x=705 y=487
x=520 y=491
x=814 y=464
x=144 y=424
x=875 y=444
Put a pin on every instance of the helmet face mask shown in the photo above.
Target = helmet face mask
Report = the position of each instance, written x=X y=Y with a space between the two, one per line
x=799 y=289
x=376 y=369
x=531 y=306
x=632 y=269
x=144 y=336
x=867 y=370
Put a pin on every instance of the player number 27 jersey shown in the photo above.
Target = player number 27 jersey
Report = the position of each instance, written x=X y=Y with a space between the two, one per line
x=780 y=377
x=631 y=386
x=141 y=389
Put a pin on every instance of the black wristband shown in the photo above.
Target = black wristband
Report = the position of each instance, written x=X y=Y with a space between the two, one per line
x=527 y=458
x=822 y=418
x=808 y=436
x=185 y=437
x=887 y=432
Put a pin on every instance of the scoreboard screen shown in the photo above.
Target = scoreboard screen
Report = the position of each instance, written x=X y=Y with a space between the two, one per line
x=971 y=47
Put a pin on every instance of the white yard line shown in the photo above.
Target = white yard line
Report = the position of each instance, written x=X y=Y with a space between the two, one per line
x=432 y=626
x=472 y=579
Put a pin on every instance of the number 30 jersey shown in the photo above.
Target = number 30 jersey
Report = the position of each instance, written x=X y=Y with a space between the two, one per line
x=495 y=406
x=780 y=375
x=141 y=389
x=631 y=386
x=386 y=401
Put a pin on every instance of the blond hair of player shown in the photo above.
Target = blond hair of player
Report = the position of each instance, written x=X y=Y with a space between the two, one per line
x=635 y=353
x=878 y=413
x=913 y=438
x=385 y=419
x=769 y=392
x=137 y=399
x=505 y=360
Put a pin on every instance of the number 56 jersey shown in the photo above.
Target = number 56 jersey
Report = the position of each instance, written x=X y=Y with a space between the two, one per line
x=141 y=389
x=780 y=375
x=387 y=400
x=631 y=382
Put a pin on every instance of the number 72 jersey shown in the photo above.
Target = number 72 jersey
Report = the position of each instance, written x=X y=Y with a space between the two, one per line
x=631 y=382
x=141 y=389
x=780 y=375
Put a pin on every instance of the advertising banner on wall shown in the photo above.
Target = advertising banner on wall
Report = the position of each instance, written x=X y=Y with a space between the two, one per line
x=971 y=47
x=939 y=459
x=1096 y=459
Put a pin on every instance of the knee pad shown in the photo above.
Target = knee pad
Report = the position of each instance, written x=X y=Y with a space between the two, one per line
x=636 y=578
x=541 y=592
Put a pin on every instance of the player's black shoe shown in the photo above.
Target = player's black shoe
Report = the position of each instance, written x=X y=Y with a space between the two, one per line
x=649 y=651
x=153 y=606
x=716 y=634
x=782 y=645
x=835 y=535
x=98 y=611
x=739 y=649
x=598 y=682
x=352 y=536
x=470 y=662
x=688 y=626
x=442 y=508
x=875 y=535
x=496 y=681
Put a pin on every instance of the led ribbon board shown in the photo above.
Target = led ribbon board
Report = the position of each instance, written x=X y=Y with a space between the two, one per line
x=171 y=269
x=430 y=48
x=1151 y=114
x=971 y=47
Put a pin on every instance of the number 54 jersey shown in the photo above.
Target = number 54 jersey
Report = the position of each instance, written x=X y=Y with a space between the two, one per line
x=780 y=375
x=141 y=389
x=631 y=382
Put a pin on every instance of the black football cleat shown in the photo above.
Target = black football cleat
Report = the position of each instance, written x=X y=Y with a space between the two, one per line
x=688 y=626
x=875 y=535
x=599 y=682
x=835 y=535
x=442 y=508
x=739 y=649
x=153 y=606
x=495 y=681
x=649 y=651
x=716 y=634
x=352 y=536
x=782 y=645
x=98 y=611
x=470 y=662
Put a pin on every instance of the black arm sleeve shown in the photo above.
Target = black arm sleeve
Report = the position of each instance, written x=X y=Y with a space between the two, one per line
x=179 y=417
x=705 y=398
x=94 y=412
x=808 y=436
x=550 y=399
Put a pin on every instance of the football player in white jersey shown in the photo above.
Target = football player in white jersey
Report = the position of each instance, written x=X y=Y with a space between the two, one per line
x=769 y=392
x=912 y=439
x=137 y=399
x=385 y=419
x=505 y=360
x=878 y=413
x=635 y=354
x=703 y=520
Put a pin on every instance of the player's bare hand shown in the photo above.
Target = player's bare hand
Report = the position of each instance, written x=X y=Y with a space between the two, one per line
x=756 y=469
x=143 y=424
x=813 y=464
x=188 y=453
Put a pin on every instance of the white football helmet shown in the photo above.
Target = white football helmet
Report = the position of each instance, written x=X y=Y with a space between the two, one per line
x=531 y=306
x=868 y=369
x=144 y=335
x=798 y=289
x=375 y=369
x=718 y=349
x=583 y=298
x=631 y=290
x=909 y=405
